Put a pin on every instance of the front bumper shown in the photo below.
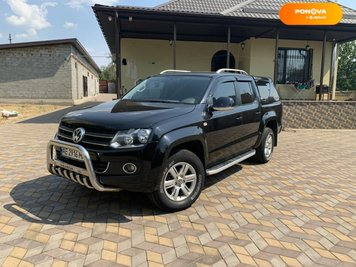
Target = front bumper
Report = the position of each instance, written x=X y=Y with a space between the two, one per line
x=86 y=177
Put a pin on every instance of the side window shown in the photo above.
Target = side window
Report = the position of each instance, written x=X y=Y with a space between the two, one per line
x=226 y=89
x=264 y=89
x=274 y=93
x=246 y=92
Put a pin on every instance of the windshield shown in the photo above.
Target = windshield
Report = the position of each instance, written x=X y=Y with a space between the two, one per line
x=170 y=89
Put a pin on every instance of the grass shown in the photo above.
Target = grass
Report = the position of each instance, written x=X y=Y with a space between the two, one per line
x=26 y=111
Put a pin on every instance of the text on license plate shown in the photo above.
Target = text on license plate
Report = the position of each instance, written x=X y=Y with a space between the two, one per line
x=71 y=153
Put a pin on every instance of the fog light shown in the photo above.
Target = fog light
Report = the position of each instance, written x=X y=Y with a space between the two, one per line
x=129 y=168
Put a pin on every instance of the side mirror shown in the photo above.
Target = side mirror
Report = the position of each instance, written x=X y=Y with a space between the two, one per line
x=223 y=104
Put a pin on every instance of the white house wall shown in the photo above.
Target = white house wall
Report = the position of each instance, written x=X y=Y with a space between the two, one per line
x=79 y=69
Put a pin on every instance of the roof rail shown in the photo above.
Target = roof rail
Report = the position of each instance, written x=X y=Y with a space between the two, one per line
x=167 y=71
x=233 y=71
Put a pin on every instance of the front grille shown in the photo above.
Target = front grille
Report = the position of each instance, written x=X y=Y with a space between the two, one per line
x=93 y=138
x=99 y=167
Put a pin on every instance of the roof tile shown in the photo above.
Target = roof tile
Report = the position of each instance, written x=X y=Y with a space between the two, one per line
x=263 y=9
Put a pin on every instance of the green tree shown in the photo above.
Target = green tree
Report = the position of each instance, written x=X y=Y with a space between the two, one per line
x=346 y=76
x=108 y=73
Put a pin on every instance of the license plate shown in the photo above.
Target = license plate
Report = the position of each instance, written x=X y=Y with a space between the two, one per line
x=71 y=153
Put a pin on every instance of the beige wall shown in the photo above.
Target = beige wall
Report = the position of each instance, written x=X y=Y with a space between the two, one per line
x=79 y=69
x=245 y=55
x=263 y=50
x=197 y=56
x=149 y=57
x=262 y=63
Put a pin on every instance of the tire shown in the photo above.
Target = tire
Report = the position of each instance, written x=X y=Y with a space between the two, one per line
x=265 y=150
x=181 y=182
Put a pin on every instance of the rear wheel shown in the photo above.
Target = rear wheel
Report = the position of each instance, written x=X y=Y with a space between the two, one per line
x=181 y=182
x=265 y=150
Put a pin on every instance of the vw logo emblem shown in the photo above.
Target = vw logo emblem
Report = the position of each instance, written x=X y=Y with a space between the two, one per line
x=78 y=135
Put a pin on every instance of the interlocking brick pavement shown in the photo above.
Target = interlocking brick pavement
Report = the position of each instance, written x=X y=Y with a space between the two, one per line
x=298 y=210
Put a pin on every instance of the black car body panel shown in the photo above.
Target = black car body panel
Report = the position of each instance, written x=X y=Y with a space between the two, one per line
x=192 y=124
x=123 y=114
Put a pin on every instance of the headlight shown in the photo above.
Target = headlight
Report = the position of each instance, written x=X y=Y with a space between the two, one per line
x=131 y=138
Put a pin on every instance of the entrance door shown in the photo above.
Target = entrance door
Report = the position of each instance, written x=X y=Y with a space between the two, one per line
x=219 y=61
x=85 y=86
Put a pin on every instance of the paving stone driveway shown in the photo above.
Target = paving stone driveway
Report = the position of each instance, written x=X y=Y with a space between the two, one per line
x=300 y=209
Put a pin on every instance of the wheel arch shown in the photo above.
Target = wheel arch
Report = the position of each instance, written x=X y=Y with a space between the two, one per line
x=269 y=120
x=194 y=146
x=189 y=138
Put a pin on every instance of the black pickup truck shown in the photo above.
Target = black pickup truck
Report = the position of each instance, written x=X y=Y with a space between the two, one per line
x=168 y=133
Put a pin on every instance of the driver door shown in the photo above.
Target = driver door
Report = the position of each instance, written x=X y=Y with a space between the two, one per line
x=223 y=129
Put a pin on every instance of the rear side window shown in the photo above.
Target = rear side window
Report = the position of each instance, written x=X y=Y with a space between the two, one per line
x=246 y=92
x=274 y=93
x=267 y=91
x=264 y=89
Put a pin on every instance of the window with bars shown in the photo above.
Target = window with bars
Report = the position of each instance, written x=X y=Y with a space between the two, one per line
x=294 y=65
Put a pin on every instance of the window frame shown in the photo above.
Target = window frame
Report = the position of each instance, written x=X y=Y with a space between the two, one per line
x=284 y=72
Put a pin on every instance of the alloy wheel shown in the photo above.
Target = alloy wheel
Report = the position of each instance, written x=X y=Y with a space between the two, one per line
x=269 y=146
x=180 y=181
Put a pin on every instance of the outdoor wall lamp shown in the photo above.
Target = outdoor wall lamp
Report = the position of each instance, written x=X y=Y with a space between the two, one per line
x=130 y=18
x=243 y=45
x=110 y=18
x=307 y=47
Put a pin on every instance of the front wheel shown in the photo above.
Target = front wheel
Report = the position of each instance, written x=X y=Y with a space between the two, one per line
x=265 y=150
x=181 y=182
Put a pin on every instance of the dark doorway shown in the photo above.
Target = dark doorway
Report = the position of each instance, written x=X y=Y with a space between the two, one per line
x=85 y=86
x=219 y=61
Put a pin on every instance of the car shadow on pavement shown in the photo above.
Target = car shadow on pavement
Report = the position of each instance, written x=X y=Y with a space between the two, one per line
x=55 y=116
x=214 y=179
x=54 y=200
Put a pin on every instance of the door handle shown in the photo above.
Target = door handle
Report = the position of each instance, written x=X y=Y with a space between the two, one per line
x=239 y=118
x=258 y=112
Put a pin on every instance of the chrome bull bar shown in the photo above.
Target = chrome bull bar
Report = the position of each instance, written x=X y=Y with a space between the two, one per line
x=85 y=177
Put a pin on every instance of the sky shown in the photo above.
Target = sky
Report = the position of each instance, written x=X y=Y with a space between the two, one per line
x=37 y=20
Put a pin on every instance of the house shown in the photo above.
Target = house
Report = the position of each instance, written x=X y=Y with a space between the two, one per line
x=205 y=35
x=56 y=71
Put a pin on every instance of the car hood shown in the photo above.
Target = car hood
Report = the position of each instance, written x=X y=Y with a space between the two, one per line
x=124 y=114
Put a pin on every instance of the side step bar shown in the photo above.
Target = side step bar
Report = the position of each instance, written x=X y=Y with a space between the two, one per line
x=227 y=164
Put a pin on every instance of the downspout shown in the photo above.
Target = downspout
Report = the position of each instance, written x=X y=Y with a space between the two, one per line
x=333 y=69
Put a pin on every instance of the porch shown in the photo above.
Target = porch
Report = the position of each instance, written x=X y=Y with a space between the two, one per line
x=146 y=41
